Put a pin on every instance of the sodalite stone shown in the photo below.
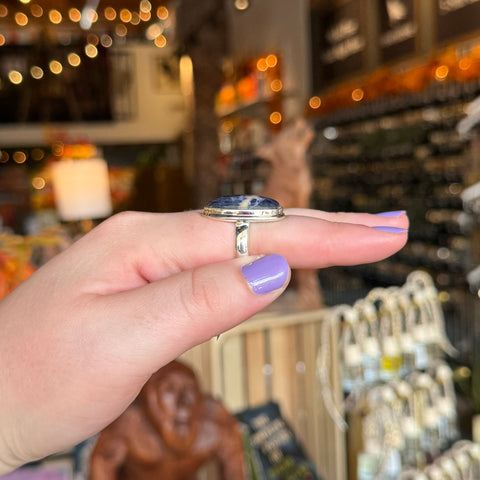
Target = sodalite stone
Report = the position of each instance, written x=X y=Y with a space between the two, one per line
x=244 y=202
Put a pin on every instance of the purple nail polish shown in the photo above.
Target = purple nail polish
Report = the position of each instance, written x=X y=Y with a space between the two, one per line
x=395 y=213
x=266 y=274
x=391 y=229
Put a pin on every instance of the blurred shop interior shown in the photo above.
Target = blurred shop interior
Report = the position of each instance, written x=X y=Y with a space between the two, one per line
x=340 y=105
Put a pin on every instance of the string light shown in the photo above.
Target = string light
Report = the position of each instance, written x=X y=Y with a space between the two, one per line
x=75 y=15
x=271 y=61
x=3 y=11
x=276 y=85
x=37 y=154
x=357 y=95
x=55 y=67
x=441 y=72
x=38 y=183
x=2 y=40
x=73 y=59
x=21 y=19
x=153 y=31
x=106 y=40
x=135 y=18
x=37 y=10
x=91 y=51
x=55 y=16
x=15 y=77
x=36 y=72
x=275 y=118
x=125 y=15
x=262 y=65
x=93 y=39
x=4 y=157
x=145 y=16
x=162 y=13
x=19 y=157
x=145 y=6
x=160 y=41
x=110 y=14
x=315 y=102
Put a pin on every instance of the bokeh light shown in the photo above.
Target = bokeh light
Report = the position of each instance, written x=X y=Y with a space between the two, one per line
x=55 y=67
x=106 y=40
x=38 y=183
x=2 y=40
x=15 y=77
x=75 y=15
x=55 y=16
x=91 y=51
x=271 y=61
x=36 y=10
x=160 y=41
x=36 y=72
x=357 y=95
x=125 y=15
x=3 y=10
x=315 y=102
x=74 y=59
x=276 y=85
x=275 y=118
x=110 y=14
x=121 y=30
x=19 y=157
x=21 y=19
x=162 y=13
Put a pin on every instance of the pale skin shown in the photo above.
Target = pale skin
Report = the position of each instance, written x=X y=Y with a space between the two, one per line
x=79 y=338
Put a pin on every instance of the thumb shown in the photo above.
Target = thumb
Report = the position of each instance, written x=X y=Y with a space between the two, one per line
x=161 y=320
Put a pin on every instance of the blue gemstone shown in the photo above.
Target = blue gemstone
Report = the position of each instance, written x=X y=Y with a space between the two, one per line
x=244 y=202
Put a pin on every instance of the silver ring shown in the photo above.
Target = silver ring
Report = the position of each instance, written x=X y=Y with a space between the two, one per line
x=243 y=209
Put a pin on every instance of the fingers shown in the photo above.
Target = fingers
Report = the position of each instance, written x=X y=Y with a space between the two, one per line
x=161 y=320
x=132 y=249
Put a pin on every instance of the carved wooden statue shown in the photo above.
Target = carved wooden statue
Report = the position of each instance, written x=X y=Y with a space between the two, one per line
x=168 y=433
x=290 y=183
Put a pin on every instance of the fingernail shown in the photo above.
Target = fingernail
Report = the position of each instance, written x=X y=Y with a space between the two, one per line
x=395 y=213
x=266 y=274
x=391 y=229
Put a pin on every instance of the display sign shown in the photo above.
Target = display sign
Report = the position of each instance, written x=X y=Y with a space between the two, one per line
x=398 y=29
x=456 y=18
x=338 y=42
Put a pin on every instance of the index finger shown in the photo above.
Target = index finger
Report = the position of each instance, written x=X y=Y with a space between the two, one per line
x=158 y=245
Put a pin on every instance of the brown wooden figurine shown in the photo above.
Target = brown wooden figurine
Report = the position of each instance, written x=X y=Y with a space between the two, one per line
x=168 y=433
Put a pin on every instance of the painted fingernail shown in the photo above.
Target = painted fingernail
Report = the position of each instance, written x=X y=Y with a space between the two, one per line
x=395 y=213
x=391 y=229
x=266 y=274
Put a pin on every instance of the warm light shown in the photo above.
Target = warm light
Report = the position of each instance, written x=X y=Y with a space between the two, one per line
x=37 y=154
x=74 y=59
x=276 y=85
x=162 y=13
x=262 y=64
x=160 y=41
x=441 y=72
x=19 y=157
x=74 y=14
x=145 y=6
x=25 y=2
x=37 y=10
x=2 y=40
x=121 y=30
x=15 y=77
x=91 y=51
x=315 y=102
x=58 y=148
x=227 y=126
x=106 y=40
x=153 y=31
x=21 y=19
x=38 y=183
x=93 y=39
x=271 y=61
x=465 y=63
x=55 y=67
x=275 y=118
x=145 y=16
x=125 y=15
x=135 y=18
x=357 y=95
x=81 y=189
x=110 y=14
x=91 y=15
x=55 y=16
x=36 y=72
x=186 y=75
x=4 y=156
x=3 y=10
x=242 y=4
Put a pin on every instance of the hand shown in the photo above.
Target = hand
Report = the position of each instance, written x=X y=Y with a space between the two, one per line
x=82 y=335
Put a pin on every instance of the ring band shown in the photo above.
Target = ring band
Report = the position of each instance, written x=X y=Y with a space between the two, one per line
x=243 y=209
